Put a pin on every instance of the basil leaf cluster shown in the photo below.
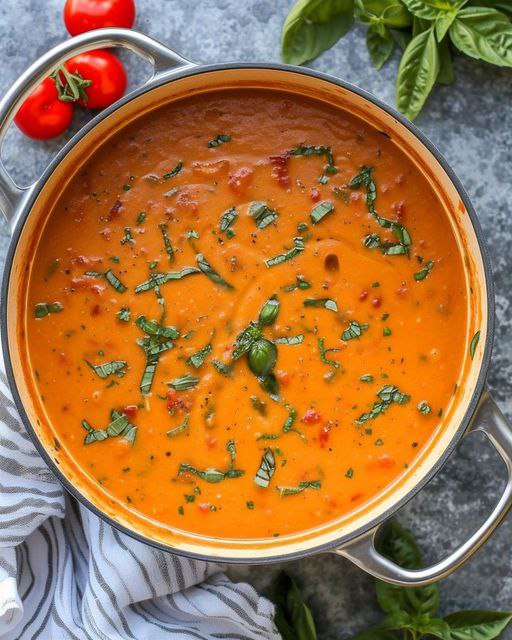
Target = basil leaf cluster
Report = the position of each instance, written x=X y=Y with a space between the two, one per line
x=429 y=32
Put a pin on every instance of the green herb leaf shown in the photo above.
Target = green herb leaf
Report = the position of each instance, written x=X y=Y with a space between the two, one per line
x=173 y=172
x=158 y=279
x=302 y=486
x=114 y=281
x=227 y=219
x=484 y=34
x=290 y=340
x=354 y=331
x=154 y=328
x=474 y=343
x=483 y=625
x=366 y=378
x=262 y=357
x=43 y=309
x=245 y=340
x=214 y=475
x=300 y=283
x=320 y=210
x=292 y=617
x=141 y=218
x=433 y=9
x=262 y=214
x=326 y=303
x=313 y=26
x=127 y=236
x=180 y=428
x=330 y=168
x=446 y=73
x=266 y=469
x=184 y=382
x=424 y=407
x=423 y=273
x=387 y=396
x=259 y=405
x=224 y=369
x=210 y=272
x=323 y=354
x=298 y=247
x=167 y=243
x=197 y=359
x=218 y=140
x=124 y=314
x=109 y=368
x=417 y=73
x=380 y=44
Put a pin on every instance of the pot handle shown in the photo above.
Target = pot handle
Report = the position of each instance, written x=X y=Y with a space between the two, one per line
x=489 y=420
x=158 y=55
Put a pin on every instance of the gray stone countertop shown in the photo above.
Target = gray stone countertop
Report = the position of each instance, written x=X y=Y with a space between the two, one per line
x=471 y=123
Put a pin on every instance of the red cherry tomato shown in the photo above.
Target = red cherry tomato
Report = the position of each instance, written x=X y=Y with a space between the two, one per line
x=43 y=115
x=106 y=74
x=85 y=15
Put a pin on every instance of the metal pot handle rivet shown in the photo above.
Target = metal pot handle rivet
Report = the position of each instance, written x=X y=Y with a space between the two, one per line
x=163 y=60
x=489 y=420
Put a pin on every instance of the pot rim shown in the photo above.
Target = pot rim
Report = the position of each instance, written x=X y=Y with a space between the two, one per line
x=23 y=212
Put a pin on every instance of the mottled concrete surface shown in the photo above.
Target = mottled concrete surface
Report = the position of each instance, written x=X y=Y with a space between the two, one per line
x=472 y=125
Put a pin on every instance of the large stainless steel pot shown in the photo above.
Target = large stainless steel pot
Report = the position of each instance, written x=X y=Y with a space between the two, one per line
x=174 y=77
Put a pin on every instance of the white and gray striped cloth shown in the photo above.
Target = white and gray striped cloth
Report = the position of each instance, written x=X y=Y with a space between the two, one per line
x=67 y=575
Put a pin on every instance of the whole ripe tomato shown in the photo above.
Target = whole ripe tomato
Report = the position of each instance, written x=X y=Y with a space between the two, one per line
x=106 y=73
x=85 y=15
x=43 y=115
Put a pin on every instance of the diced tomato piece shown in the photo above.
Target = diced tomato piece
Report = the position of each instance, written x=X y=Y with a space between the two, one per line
x=376 y=302
x=210 y=168
x=399 y=209
x=96 y=310
x=356 y=497
x=324 y=435
x=211 y=441
x=363 y=295
x=311 y=417
x=283 y=377
x=115 y=210
x=203 y=506
x=130 y=410
x=314 y=194
x=240 y=180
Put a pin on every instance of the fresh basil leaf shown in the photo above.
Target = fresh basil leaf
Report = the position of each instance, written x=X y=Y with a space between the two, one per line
x=432 y=9
x=262 y=357
x=108 y=368
x=158 y=279
x=266 y=469
x=270 y=385
x=114 y=281
x=167 y=243
x=292 y=617
x=298 y=247
x=320 y=210
x=446 y=73
x=484 y=34
x=302 y=486
x=424 y=408
x=389 y=13
x=476 y=625
x=43 y=309
x=313 y=26
x=326 y=303
x=184 y=382
x=443 y=23
x=500 y=5
x=380 y=45
x=224 y=369
x=210 y=272
x=425 y=625
x=154 y=328
x=354 y=331
x=402 y=38
x=197 y=359
x=124 y=314
x=417 y=73
x=323 y=354
x=396 y=620
x=245 y=340
x=180 y=428
x=173 y=172
x=317 y=150
x=290 y=340
x=269 y=312
x=262 y=214
x=218 y=140
x=423 y=273
x=300 y=283
x=419 y=26
x=474 y=343
x=228 y=219
x=387 y=396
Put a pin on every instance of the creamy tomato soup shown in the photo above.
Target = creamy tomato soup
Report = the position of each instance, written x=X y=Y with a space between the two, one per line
x=246 y=314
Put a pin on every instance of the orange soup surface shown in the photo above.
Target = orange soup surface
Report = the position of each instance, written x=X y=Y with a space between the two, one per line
x=246 y=314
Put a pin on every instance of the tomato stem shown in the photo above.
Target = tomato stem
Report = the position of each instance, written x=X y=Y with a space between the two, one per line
x=70 y=86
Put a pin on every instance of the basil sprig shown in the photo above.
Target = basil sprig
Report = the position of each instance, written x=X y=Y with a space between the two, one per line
x=428 y=31
x=387 y=396
x=411 y=613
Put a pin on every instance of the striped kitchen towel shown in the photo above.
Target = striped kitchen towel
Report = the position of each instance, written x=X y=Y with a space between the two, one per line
x=67 y=575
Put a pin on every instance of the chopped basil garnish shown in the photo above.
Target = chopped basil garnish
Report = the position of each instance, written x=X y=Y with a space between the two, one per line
x=158 y=279
x=245 y=340
x=197 y=359
x=266 y=469
x=167 y=243
x=300 y=283
x=114 y=281
x=302 y=486
x=386 y=331
x=173 y=172
x=269 y=436
x=424 y=407
x=141 y=217
x=180 y=428
x=124 y=314
x=43 y=309
x=365 y=179
x=214 y=475
x=224 y=369
x=218 y=140
x=323 y=354
x=366 y=378
x=299 y=339
x=210 y=272
x=474 y=343
x=342 y=194
x=298 y=247
x=153 y=328
x=108 y=368
x=353 y=331
x=349 y=473
x=326 y=303
x=119 y=426
x=269 y=312
x=270 y=385
x=387 y=396
x=303 y=150
x=423 y=273
x=259 y=405
x=157 y=341
x=290 y=420
x=184 y=382
x=227 y=220
x=320 y=211
x=127 y=236
x=262 y=214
